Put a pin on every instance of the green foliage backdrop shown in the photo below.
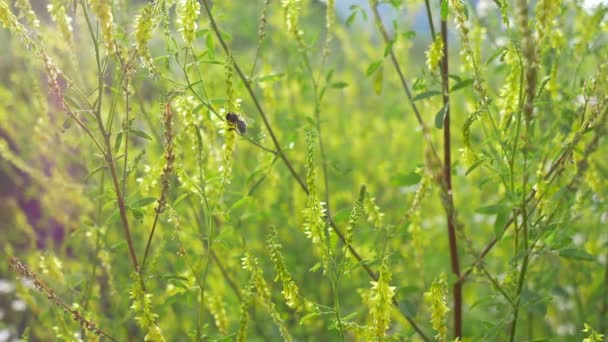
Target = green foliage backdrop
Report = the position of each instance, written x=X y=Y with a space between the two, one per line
x=393 y=182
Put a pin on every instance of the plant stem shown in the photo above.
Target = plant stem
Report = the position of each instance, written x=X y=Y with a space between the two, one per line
x=253 y=97
x=602 y=314
x=288 y=164
x=429 y=16
x=447 y=179
x=550 y=176
x=108 y=147
x=404 y=84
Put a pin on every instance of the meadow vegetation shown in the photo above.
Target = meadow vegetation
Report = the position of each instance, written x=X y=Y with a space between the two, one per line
x=269 y=170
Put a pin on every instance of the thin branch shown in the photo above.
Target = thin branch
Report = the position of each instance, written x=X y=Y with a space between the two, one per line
x=254 y=98
x=287 y=163
x=447 y=179
x=16 y=265
x=404 y=84
x=550 y=176
x=108 y=147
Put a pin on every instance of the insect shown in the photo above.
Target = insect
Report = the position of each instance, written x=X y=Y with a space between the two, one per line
x=236 y=120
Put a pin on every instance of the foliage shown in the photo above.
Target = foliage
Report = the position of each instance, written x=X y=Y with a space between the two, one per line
x=162 y=162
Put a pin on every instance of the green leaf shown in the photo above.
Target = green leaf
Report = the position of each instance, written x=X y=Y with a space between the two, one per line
x=201 y=32
x=341 y=216
x=373 y=67
x=226 y=35
x=351 y=18
x=426 y=95
x=209 y=43
x=309 y=317
x=181 y=198
x=444 y=9
x=113 y=216
x=97 y=169
x=142 y=202
x=350 y=316
x=137 y=213
x=209 y=61
x=329 y=75
x=180 y=282
x=576 y=254
x=270 y=78
x=117 y=142
x=71 y=102
x=406 y=179
x=316 y=267
x=379 y=80
x=499 y=224
x=140 y=134
x=499 y=52
x=491 y=209
x=483 y=301
x=455 y=77
x=241 y=202
x=543 y=83
x=466 y=11
x=409 y=35
x=474 y=166
x=462 y=84
x=389 y=46
x=339 y=85
x=440 y=116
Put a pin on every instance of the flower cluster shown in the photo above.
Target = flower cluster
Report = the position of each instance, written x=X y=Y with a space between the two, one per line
x=355 y=213
x=380 y=300
x=472 y=59
x=58 y=14
x=145 y=24
x=291 y=9
x=261 y=288
x=142 y=307
x=218 y=310
x=374 y=215
x=314 y=213
x=103 y=11
x=290 y=289
x=436 y=297
x=434 y=53
x=187 y=16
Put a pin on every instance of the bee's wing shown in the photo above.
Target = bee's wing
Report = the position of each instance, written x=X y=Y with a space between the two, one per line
x=241 y=126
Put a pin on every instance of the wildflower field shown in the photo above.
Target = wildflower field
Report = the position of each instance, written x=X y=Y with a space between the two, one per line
x=303 y=170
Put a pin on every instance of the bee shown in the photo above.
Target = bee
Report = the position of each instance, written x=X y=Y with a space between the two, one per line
x=236 y=120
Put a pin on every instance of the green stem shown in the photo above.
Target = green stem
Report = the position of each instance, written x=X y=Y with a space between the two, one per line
x=108 y=147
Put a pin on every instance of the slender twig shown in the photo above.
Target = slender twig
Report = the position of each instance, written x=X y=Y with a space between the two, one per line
x=169 y=157
x=404 y=84
x=91 y=284
x=257 y=104
x=85 y=129
x=16 y=265
x=108 y=146
x=550 y=177
x=286 y=161
x=205 y=102
x=279 y=150
x=602 y=314
x=429 y=16
x=126 y=69
x=231 y=283
x=447 y=179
